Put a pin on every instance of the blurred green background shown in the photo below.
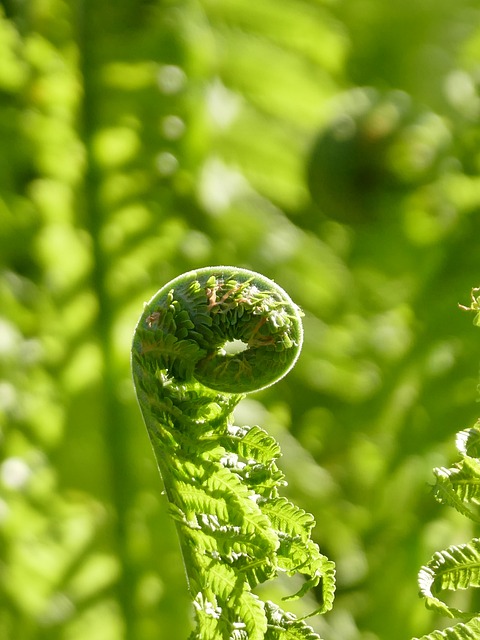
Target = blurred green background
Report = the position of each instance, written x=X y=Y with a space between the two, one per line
x=332 y=145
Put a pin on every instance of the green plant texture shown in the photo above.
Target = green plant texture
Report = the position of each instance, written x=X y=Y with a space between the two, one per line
x=333 y=146
x=457 y=568
x=222 y=481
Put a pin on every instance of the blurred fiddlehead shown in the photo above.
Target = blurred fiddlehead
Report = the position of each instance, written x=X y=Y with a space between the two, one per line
x=203 y=341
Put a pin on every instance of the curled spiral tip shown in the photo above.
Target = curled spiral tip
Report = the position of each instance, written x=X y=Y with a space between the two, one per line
x=222 y=481
x=189 y=326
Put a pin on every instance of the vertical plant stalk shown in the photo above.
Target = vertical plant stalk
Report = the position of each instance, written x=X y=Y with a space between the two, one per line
x=203 y=341
x=90 y=18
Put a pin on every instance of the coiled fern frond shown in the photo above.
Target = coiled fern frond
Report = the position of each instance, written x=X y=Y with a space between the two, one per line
x=203 y=341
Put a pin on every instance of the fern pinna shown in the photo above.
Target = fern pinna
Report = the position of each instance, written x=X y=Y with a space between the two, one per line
x=203 y=341
x=457 y=567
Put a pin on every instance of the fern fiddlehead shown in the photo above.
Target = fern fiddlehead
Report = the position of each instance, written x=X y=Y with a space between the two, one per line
x=222 y=481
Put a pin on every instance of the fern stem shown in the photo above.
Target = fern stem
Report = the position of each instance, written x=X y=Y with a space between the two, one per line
x=91 y=21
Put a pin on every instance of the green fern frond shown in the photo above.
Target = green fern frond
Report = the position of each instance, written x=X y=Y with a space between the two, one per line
x=197 y=500
x=222 y=482
x=285 y=626
x=459 y=486
x=253 y=455
x=468 y=441
x=167 y=353
x=258 y=445
x=457 y=567
x=320 y=571
x=251 y=611
x=218 y=579
x=289 y=519
x=209 y=620
x=245 y=511
x=461 y=631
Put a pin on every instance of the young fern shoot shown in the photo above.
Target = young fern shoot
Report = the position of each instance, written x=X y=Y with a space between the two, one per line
x=222 y=481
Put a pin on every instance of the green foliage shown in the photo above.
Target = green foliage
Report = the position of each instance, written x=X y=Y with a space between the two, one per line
x=145 y=139
x=474 y=306
x=454 y=568
x=460 y=631
x=457 y=568
x=222 y=481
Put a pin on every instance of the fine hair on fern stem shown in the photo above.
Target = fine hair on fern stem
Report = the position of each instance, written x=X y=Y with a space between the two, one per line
x=203 y=341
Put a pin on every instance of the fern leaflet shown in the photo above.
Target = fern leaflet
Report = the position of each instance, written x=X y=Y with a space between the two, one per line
x=458 y=567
